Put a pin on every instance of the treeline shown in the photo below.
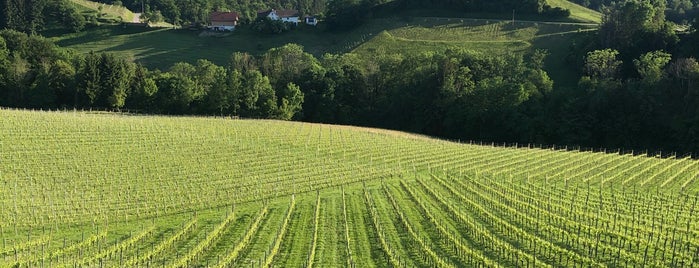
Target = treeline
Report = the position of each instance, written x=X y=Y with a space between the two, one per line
x=679 y=11
x=33 y=16
x=34 y=73
x=638 y=87
x=440 y=90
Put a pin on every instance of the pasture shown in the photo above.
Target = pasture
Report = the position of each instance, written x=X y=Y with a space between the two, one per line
x=162 y=47
x=84 y=189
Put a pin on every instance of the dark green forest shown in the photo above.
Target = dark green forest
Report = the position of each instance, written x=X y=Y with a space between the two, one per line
x=638 y=85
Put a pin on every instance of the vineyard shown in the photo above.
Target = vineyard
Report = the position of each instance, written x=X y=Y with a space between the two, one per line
x=80 y=189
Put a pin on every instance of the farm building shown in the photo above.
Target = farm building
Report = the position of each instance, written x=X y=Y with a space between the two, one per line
x=291 y=16
x=223 y=21
x=311 y=20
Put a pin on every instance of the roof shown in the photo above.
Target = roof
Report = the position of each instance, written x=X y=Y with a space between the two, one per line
x=282 y=13
x=287 y=13
x=263 y=13
x=224 y=16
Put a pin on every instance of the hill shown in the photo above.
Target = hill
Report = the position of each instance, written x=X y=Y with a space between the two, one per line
x=161 y=48
x=577 y=12
x=100 y=189
x=118 y=13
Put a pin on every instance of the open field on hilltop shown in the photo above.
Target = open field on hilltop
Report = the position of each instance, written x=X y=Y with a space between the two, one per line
x=110 y=11
x=577 y=12
x=97 y=189
x=490 y=36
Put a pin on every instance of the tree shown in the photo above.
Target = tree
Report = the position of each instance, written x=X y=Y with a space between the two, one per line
x=291 y=101
x=224 y=96
x=242 y=62
x=625 y=23
x=285 y=64
x=319 y=94
x=89 y=80
x=22 y=15
x=686 y=71
x=4 y=70
x=650 y=66
x=61 y=78
x=258 y=99
x=143 y=90
x=66 y=14
x=269 y=26
x=346 y=14
x=17 y=77
x=39 y=93
x=602 y=64
x=209 y=78
x=175 y=93
x=115 y=77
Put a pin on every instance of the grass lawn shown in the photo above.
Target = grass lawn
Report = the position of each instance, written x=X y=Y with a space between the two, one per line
x=577 y=12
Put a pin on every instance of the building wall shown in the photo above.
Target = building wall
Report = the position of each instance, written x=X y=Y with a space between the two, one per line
x=291 y=19
x=222 y=28
x=223 y=23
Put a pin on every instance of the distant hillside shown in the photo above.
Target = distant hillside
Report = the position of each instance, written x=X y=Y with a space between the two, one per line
x=577 y=12
x=118 y=12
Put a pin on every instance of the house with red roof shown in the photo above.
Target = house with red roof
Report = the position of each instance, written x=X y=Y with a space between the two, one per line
x=223 y=21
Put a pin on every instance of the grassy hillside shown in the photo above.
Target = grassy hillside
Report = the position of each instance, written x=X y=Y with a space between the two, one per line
x=577 y=12
x=90 y=189
x=496 y=36
x=112 y=11
x=160 y=48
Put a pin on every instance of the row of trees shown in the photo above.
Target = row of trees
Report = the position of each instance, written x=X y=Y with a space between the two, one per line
x=33 y=16
x=34 y=73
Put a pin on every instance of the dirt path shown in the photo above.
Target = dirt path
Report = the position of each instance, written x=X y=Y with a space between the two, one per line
x=136 y=18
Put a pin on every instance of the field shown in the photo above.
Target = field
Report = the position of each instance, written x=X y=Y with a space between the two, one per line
x=118 y=13
x=86 y=189
x=577 y=12
x=161 y=48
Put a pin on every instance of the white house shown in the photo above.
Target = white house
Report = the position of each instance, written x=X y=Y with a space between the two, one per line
x=291 y=16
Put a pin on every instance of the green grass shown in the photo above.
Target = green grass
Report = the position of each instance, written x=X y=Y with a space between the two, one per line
x=406 y=34
x=487 y=36
x=577 y=12
x=111 y=11
x=113 y=190
x=161 y=48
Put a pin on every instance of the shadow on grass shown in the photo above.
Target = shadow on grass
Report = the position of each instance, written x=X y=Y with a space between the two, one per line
x=558 y=63
x=99 y=33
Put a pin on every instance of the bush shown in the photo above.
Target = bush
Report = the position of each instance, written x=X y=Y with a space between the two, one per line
x=556 y=12
x=269 y=26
